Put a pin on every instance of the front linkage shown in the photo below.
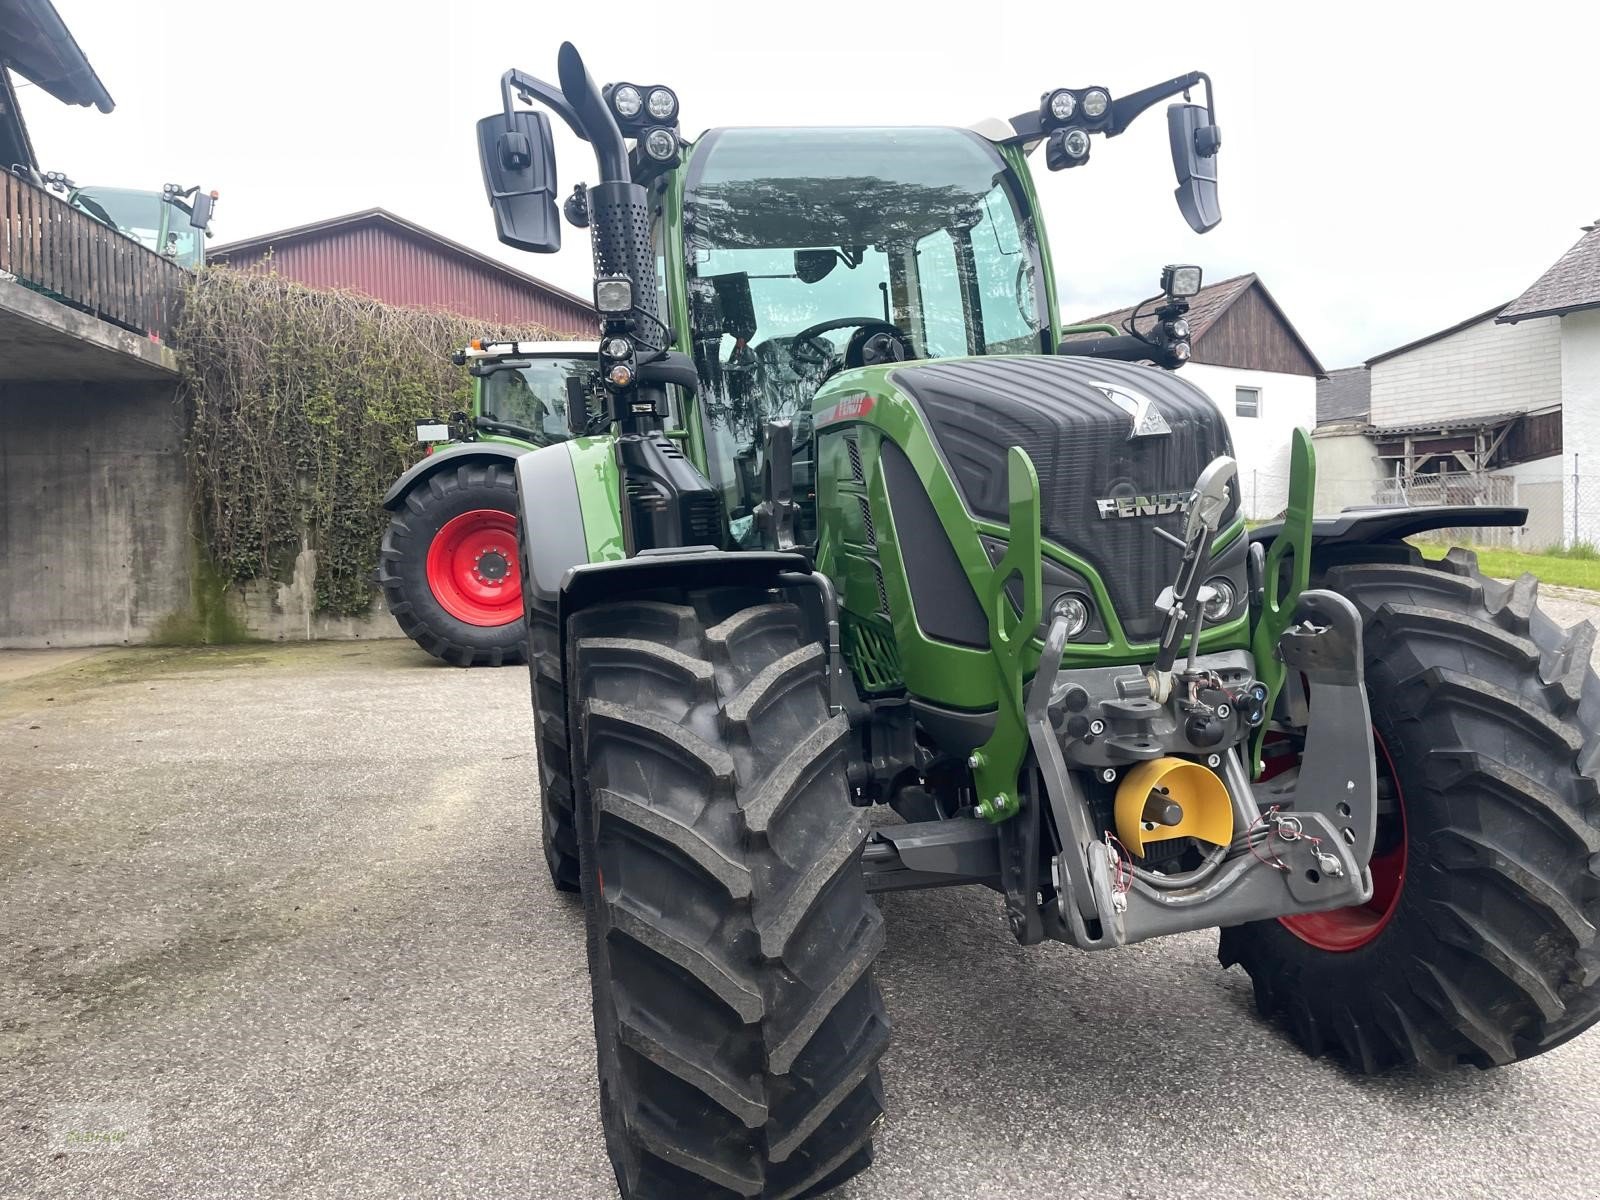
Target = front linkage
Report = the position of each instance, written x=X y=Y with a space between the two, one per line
x=1307 y=839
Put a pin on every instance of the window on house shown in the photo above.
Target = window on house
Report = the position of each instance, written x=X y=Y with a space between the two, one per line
x=1247 y=402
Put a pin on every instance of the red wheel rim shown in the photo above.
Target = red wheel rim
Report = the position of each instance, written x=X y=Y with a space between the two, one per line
x=1345 y=929
x=472 y=568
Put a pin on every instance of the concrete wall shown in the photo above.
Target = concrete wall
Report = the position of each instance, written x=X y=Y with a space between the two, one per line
x=1539 y=489
x=94 y=527
x=1260 y=443
x=93 y=513
x=1475 y=372
x=1347 y=468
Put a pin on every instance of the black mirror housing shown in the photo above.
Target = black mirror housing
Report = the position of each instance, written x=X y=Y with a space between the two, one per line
x=518 y=159
x=200 y=211
x=813 y=266
x=1195 y=141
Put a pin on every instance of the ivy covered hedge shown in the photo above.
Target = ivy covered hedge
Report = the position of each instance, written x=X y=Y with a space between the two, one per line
x=301 y=407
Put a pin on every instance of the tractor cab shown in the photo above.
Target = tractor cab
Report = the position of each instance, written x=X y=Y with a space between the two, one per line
x=173 y=222
x=808 y=252
x=529 y=392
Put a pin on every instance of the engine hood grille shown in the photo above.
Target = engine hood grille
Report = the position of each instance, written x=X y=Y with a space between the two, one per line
x=1062 y=412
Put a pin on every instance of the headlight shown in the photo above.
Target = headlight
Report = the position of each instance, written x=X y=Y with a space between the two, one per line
x=1075 y=609
x=1063 y=104
x=613 y=295
x=1076 y=143
x=1178 y=329
x=662 y=103
x=1095 y=102
x=660 y=144
x=627 y=101
x=617 y=347
x=1222 y=599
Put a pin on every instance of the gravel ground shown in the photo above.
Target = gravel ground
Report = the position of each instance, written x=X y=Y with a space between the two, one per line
x=280 y=912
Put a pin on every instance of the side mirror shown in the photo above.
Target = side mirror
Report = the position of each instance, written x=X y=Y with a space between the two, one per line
x=1195 y=142
x=813 y=266
x=200 y=210
x=519 y=174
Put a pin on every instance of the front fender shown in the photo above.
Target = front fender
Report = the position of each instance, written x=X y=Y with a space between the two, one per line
x=450 y=456
x=569 y=499
x=1364 y=526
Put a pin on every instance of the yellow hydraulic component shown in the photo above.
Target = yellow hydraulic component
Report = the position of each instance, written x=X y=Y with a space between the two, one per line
x=1199 y=793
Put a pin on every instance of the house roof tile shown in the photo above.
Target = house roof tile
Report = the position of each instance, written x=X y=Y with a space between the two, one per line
x=1573 y=283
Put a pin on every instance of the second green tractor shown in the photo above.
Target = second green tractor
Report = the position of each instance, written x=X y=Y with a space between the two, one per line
x=860 y=529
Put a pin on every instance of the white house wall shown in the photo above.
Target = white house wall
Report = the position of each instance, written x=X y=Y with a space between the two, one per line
x=1261 y=444
x=1478 y=371
x=1580 y=422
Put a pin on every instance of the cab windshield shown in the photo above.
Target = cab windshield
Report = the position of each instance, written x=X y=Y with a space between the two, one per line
x=534 y=396
x=149 y=218
x=789 y=229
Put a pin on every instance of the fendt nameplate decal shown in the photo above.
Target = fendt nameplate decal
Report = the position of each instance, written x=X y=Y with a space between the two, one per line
x=1157 y=505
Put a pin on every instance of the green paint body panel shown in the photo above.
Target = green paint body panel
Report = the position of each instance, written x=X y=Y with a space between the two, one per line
x=1281 y=594
x=997 y=764
x=957 y=677
x=594 y=466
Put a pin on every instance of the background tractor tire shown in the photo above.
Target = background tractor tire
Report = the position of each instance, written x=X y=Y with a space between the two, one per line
x=1486 y=715
x=448 y=566
x=731 y=940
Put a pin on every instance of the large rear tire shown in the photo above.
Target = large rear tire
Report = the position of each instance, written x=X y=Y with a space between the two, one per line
x=1481 y=947
x=731 y=940
x=448 y=566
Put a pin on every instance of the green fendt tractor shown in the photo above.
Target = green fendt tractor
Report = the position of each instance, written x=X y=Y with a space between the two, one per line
x=863 y=529
x=448 y=566
x=174 y=222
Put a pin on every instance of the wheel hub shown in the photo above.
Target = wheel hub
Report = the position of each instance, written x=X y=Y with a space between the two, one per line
x=1344 y=929
x=471 y=568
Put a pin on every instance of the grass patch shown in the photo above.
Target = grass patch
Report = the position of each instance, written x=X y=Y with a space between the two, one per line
x=1574 y=566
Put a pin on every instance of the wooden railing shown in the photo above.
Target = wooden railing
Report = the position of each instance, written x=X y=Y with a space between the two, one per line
x=53 y=248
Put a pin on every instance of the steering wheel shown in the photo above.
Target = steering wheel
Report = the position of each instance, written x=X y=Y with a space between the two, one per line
x=875 y=341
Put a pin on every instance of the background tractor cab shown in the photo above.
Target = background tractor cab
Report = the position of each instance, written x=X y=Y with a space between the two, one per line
x=174 y=222
x=448 y=567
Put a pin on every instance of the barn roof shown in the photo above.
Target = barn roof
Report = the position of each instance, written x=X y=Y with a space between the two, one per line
x=245 y=248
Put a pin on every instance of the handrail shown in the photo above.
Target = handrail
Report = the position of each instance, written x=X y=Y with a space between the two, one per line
x=53 y=248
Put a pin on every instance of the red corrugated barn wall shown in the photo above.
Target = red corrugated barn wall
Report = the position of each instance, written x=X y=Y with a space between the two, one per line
x=392 y=260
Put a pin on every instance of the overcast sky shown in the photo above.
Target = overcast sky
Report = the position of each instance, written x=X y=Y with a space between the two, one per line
x=1387 y=169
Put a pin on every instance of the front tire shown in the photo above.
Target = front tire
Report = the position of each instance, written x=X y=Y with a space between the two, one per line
x=1486 y=714
x=448 y=566
x=731 y=940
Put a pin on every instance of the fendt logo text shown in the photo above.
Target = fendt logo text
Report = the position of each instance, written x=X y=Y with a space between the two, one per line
x=1157 y=505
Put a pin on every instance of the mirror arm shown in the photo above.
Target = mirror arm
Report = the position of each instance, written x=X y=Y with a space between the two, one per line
x=531 y=89
x=609 y=149
x=1126 y=108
